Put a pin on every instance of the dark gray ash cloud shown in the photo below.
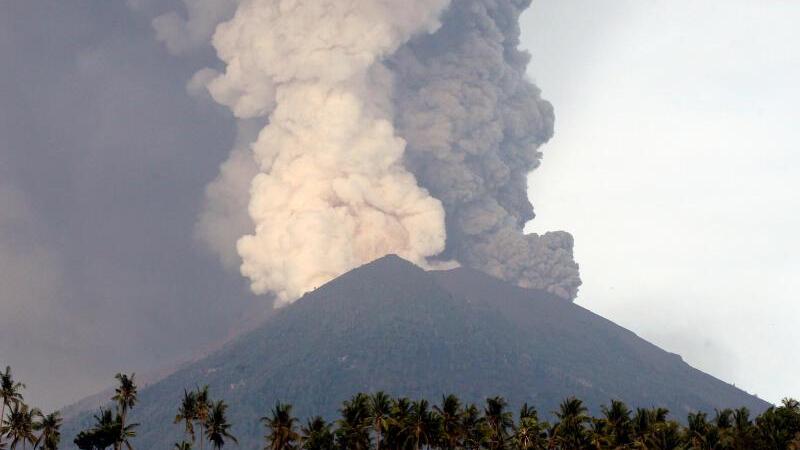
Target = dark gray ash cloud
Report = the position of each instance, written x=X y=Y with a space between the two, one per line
x=474 y=124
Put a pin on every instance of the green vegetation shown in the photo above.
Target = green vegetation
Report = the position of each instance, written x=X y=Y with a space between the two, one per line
x=110 y=427
x=381 y=422
x=197 y=409
x=21 y=425
x=393 y=327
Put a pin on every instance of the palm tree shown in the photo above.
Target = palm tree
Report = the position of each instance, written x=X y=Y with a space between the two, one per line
x=777 y=427
x=125 y=396
x=217 y=428
x=10 y=393
x=664 y=436
x=317 y=434
x=104 y=433
x=529 y=432
x=124 y=433
x=450 y=417
x=353 y=432
x=698 y=430
x=86 y=440
x=20 y=424
x=658 y=415
x=281 y=428
x=618 y=420
x=497 y=422
x=202 y=409
x=380 y=409
x=49 y=431
x=472 y=427
x=791 y=405
x=570 y=430
x=642 y=424
x=422 y=424
x=723 y=423
x=599 y=434
x=742 y=430
x=187 y=413
x=527 y=411
x=400 y=413
x=107 y=431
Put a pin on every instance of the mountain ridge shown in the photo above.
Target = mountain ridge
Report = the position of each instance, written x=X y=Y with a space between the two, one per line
x=389 y=325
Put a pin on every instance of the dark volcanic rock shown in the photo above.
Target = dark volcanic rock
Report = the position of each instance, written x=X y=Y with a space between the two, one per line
x=391 y=326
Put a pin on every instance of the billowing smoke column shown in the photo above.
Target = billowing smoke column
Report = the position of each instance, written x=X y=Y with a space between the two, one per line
x=381 y=116
x=474 y=124
x=331 y=191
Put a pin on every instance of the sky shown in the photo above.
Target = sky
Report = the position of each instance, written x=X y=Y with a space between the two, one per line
x=671 y=165
x=103 y=161
x=675 y=166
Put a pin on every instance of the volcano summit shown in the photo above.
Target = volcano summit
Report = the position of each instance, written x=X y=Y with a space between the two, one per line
x=392 y=326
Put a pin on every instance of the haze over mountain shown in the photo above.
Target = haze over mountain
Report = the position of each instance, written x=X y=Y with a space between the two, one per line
x=392 y=326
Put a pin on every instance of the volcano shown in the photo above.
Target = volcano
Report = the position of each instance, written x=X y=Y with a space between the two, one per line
x=392 y=326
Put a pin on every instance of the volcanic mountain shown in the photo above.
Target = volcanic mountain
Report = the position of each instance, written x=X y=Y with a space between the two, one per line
x=392 y=326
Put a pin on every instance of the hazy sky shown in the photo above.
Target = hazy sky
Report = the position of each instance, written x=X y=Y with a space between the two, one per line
x=672 y=166
x=676 y=166
x=103 y=162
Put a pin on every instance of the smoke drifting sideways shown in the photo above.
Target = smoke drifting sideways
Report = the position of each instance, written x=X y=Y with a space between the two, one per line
x=474 y=125
x=388 y=126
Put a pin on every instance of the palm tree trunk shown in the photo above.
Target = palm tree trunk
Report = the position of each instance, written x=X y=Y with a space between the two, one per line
x=118 y=443
x=2 y=417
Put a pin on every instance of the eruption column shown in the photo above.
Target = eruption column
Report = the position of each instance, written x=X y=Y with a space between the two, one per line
x=331 y=190
x=474 y=124
x=381 y=115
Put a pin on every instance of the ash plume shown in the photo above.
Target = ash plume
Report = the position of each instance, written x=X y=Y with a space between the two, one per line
x=392 y=126
x=474 y=124
x=331 y=191
x=225 y=217
x=182 y=35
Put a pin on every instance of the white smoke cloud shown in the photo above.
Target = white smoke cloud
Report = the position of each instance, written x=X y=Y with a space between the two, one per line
x=381 y=116
x=224 y=218
x=331 y=192
x=181 y=35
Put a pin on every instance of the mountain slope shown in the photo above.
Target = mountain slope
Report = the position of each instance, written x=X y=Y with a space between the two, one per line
x=392 y=326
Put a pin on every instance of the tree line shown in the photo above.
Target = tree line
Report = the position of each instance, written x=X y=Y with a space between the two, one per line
x=22 y=425
x=382 y=422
